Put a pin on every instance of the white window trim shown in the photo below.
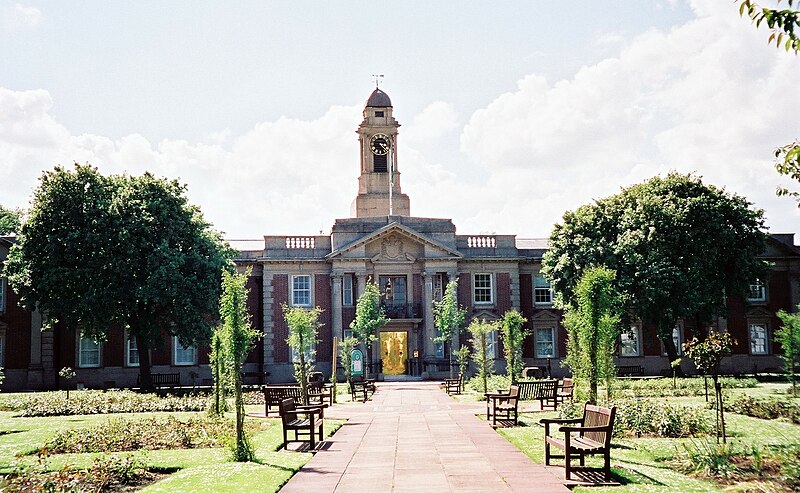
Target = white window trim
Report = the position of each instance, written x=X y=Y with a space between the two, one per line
x=491 y=345
x=536 y=341
x=549 y=288
x=3 y=294
x=311 y=354
x=79 y=354
x=750 y=326
x=128 y=352
x=348 y=278
x=175 y=344
x=475 y=288
x=310 y=290
x=763 y=288
x=637 y=336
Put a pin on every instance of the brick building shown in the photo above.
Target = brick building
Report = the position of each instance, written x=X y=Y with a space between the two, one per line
x=411 y=259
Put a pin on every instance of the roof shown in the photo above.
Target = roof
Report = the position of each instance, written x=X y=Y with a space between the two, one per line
x=532 y=243
x=379 y=98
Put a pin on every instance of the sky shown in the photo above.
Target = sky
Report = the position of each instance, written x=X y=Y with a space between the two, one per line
x=512 y=113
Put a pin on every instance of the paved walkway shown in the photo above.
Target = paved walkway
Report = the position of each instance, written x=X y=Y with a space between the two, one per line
x=412 y=437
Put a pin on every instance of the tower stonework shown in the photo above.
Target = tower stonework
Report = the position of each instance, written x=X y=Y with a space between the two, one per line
x=377 y=136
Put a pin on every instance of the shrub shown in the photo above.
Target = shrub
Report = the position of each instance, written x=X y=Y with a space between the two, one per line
x=663 y=387
x=708 y=458
x=99 y=402
x=107 y=473
x=493 y=383
x=652 y=418
x=121 y=434
x=765 y=408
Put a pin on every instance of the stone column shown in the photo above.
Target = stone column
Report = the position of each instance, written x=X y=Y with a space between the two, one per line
x=361 y=281
x=269 y=323
x=454 y=343
x=336 y=305
x=428 y=328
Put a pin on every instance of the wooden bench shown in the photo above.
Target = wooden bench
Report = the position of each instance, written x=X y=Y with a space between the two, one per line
x=275 y=394
x=565 y=390
x=591 y=436
x=361 y=387
x=305 y=421
x=452 y=385
x=318 y=391
x=630 y=371
x=544 y=391
x=503 y=405
x=162 y=379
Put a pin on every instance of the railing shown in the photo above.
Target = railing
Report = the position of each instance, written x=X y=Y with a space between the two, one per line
x=298 y=242
x=402 y=310
x=481 y=242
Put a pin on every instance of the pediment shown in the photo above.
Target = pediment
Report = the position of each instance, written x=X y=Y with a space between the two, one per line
x=758 y=312
x=396 y=243
x=545 y=316
x=487 y=315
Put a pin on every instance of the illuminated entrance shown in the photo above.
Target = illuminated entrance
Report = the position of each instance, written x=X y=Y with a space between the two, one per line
x=394 y=352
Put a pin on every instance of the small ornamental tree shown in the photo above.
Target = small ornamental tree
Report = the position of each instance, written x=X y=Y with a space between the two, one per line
x=218 y=363
x=67 y=374
x=788 y=336
x=481 y=344
x=592 y=329
x=707 y=356
x=370 y=317
x=237 y=339
x=448 y=318
x=303 y=326
x=513 y=335
x=462 y=359
x=346 y=357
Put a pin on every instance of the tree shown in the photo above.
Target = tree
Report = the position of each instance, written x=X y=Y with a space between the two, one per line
x=303 y=326
x=678 y=248
x=707 y=356
x=217 y=360
x=788 y=336
x=480 y=330
x=513 y=335
x=346 y=357
x=237 y=337
x=10 y=220
x=101 y=252
x=592 y=329
x=448 y=318
x=785 y=27
x=462 y=359
x=370 y=317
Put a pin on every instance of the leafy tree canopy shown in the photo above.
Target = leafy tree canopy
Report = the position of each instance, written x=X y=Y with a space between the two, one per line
x=677 y=246
x=127 y=251
x=10 y=220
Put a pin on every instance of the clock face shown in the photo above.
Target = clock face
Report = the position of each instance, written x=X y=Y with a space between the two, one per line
x=379 y=144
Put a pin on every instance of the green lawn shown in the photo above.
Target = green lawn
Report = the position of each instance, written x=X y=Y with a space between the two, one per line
x=645 y=464
x=189 y=470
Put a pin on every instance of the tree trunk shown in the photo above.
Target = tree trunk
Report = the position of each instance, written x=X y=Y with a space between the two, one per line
x=241 y=446
x=145 y=373
x=665 y=334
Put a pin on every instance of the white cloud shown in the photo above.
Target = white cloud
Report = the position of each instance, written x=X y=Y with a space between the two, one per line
x=437 y=120
x=20 y=17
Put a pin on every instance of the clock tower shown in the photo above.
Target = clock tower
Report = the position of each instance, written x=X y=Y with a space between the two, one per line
x=379 y=191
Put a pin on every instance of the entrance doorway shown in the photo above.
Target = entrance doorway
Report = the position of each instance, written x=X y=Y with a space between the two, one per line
x=394 y=352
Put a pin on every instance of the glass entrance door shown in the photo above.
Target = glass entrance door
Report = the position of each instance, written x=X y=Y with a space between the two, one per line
x=394 y=352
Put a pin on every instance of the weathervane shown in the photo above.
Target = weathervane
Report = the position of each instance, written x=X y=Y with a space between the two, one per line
x=378 y=78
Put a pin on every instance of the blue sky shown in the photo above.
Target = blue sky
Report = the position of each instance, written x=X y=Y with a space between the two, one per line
x=512 y=112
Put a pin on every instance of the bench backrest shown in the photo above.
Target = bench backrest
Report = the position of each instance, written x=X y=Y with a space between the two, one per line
x=599 y=416
x=287 y=410
x=513 y=392
x=538 y=389
x=274 y=393
x=567 y=385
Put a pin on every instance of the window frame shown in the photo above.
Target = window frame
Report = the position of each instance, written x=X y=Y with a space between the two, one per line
x=637 y=339
x=293 y=290
x=750 y=339
x=491 y=345
x=759 y=286
x=128 y=361
x=536 y=342
x=538 y=288
x=81 y=351
x=347 y=291
x=484 y=289
x=175 y=344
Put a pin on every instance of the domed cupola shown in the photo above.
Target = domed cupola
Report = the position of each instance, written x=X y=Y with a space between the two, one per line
x=379 y=99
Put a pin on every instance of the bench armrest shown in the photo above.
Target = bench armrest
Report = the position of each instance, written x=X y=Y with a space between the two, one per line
x=559 y=421
x=569 y=429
